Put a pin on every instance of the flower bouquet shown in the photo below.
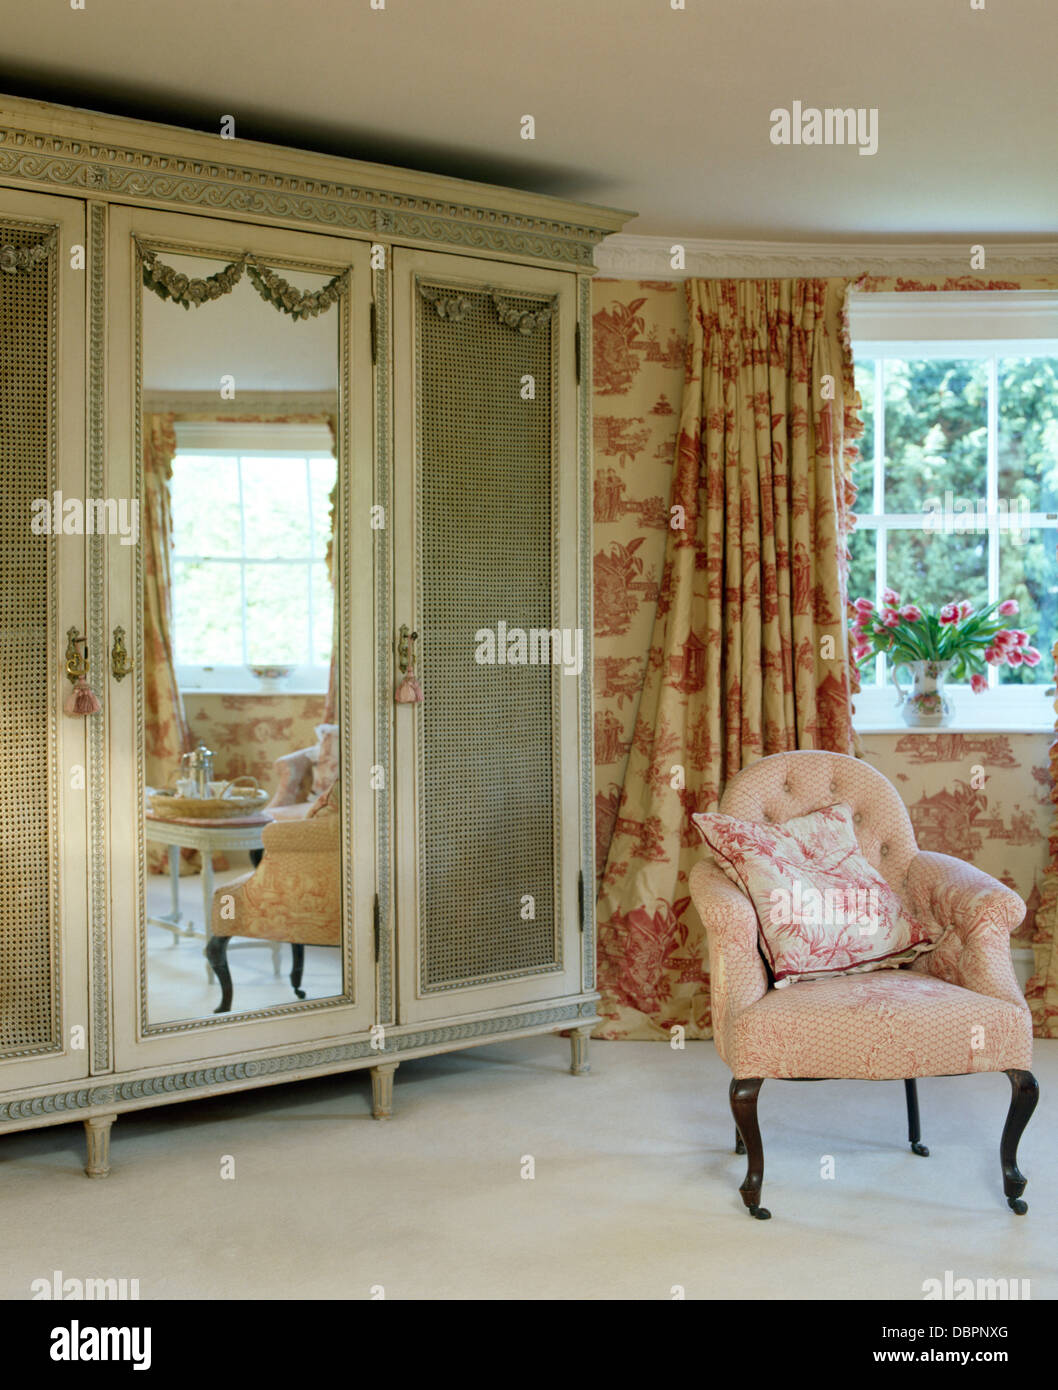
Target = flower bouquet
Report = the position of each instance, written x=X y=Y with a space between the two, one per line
x=954 y=640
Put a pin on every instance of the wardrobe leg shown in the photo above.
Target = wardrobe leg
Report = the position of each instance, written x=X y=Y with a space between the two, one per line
x=382 y=1090
x=97 y=1145
x=1024 y=1093
x=743 y=1094
x=578 y=1051
x=914 y=1131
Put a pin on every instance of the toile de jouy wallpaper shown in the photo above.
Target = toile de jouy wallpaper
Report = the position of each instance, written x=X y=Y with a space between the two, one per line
x=981 y=797
x=248 y=732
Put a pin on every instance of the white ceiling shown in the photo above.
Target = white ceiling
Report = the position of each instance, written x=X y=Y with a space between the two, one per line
x=636 y=105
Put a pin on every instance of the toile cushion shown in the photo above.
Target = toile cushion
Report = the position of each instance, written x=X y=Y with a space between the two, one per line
x=822 y=908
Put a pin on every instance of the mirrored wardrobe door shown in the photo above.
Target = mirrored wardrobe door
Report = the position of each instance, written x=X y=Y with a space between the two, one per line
x=45 y=762
x=240 y=406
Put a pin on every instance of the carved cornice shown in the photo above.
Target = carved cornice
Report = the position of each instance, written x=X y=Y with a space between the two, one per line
x=144 y=1089
x=649 y=258
x=132 y=172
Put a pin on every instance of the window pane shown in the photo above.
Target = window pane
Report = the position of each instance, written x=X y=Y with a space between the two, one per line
x=862 y=568
x=323 y=616
x=205 y=502
x=863 y=469
x=1029 y=573
x=323 y=474
x=276 y=506
x=207 y=613
x=936 y=568
x=277 y=614
x=1028 y=433
x=936 y=436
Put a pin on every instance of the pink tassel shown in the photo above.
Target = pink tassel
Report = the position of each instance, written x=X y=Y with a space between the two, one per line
x=409 y=692
x=82 y=699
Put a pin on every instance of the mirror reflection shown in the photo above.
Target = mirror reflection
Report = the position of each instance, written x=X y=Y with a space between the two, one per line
x=242 y=815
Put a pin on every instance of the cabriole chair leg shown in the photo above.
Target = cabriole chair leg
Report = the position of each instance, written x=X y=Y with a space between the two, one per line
x=743 y=1095
x=914 y=1132
x=297 y=950
x=1024 y=1093
x=217 y=955
x=740 y=1148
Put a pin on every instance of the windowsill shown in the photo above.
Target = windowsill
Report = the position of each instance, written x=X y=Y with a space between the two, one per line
x=254 y=694
x=1018 y=709
x=964 y=724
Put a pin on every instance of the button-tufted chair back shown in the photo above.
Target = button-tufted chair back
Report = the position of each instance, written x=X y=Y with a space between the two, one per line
x=777 y=788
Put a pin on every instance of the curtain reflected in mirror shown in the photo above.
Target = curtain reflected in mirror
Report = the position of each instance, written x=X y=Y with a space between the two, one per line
x=242 y=817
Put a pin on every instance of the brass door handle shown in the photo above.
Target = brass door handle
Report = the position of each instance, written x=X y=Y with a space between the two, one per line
x=120 y=661
x=405 y=648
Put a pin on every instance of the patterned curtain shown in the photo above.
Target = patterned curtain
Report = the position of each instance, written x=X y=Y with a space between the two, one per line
x=166 y=735
x=749 y=653
x=1042 y=989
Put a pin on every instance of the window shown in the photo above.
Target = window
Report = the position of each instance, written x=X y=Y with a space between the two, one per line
x=958 y=477
x=251 y=525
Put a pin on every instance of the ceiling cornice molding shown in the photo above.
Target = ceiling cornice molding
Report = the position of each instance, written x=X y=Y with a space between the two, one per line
x=627 y=257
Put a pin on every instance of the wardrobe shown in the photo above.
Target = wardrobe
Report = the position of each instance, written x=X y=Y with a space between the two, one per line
x=193 y=331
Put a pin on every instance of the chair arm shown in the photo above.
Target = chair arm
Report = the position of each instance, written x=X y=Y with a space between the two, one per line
x=292 y=768
x=737 y=976
x=977 y=912
x=313 y=835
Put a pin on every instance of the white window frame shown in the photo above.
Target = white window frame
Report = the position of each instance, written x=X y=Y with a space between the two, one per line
x=238 y=439
x=979 y=326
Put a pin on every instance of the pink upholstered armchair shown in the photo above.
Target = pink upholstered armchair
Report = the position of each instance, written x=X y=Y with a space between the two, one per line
x=957 y=1009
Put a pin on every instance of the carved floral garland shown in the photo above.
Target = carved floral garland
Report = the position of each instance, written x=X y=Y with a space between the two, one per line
x=168 y=283
x=17 y=260
x=525 y=321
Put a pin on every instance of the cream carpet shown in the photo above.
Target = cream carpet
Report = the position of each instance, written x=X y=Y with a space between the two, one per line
x=634 y=1193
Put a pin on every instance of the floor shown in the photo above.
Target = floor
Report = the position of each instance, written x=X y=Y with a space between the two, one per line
x=633 y=1193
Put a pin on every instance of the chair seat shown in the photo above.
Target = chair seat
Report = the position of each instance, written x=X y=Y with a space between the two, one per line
x=882 y=1025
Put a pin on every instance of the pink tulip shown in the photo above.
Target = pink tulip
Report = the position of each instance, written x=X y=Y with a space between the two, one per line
x=978 y=682
x=965 y=608
x=1003 y=639
x=1014 y=656
x=1020 y=637
x=862 y=653
x=911 y=613
x=891 y=597
x=863 y=605
x=890 y=618
x=994 y=656
x=1008 y=607
x=949 y=613
x=1030 y=656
